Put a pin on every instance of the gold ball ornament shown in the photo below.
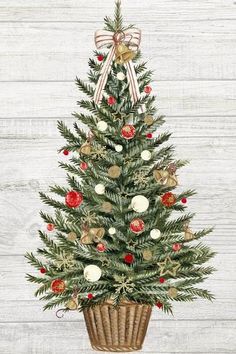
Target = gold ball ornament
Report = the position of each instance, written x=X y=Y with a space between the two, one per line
x=114 y=172
x=86 y=149
x=92 y=273
x=72 y=305
x=173 y=292
x=147 y=255
x=72 y=236
x=148 y=120
x=107 y=207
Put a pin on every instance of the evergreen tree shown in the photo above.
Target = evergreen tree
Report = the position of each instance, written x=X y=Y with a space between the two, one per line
x=120 y=229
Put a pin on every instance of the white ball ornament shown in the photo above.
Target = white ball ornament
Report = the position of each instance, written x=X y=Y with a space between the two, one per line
x=92 y=273
x=102 y=126
x=112 y=231
x=100 y=189
x=155 y=234
x=140 y=203
x=121 y=76
x=146 y=155
x=118 y=148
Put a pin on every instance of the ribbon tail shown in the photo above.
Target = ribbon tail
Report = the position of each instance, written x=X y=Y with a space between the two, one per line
x=133 y=85
x=104 y=76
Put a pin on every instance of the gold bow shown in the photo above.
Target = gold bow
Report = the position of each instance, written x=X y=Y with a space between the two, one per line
x=93 y=235
x=165 y=178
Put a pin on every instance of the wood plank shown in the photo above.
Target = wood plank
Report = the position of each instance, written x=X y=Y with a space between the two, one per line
x=166 y=337
x=94 y=10
x=210 y=127
x=58 y=99
x=184 y=50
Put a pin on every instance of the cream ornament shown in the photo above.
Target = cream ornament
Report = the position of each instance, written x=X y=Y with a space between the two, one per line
x=118 y=148
x=155 y=234
x=102 y=126
x=112 y=231
x=92 y=273
x=139 y=203
x=99 y=189
x=146 y=155
x=121 y=76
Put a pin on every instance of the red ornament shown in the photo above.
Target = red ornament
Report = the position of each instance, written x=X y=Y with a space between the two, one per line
x=149 y=136
x=111 y=100
x=129 y=258
x=58 y=286
x=159 y=305
x=162 y=280
x=83 y=166
x=90 y=296
x=168 y=199
x=128 y=132
x=74 y=199
x=147 y=89
x=184 y=200
x=100 y=57
x=50 y=227
x=42 y=270
x=176 y=247
x=66 y=152
x=137 y=226
x=101 y=247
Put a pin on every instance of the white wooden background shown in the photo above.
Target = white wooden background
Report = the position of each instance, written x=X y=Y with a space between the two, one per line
x=43 y=46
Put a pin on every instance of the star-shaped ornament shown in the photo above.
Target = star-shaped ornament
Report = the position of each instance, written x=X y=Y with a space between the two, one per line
x=168 y=267
x=132 y=243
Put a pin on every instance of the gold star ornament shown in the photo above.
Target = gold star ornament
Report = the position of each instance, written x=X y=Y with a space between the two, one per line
x=169 y=267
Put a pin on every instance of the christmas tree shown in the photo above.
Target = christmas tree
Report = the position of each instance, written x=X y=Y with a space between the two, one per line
x=120 y=229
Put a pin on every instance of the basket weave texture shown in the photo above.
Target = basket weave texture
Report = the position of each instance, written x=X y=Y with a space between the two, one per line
x=117 y=329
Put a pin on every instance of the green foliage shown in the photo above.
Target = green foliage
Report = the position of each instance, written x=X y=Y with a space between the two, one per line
x=64 y=258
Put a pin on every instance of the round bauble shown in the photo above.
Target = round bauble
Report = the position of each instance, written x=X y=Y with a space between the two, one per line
x=149 y=136
x=147 y=89
x=137 y=226
x=173 y=292
x=101 y=247
x=155 y=234
x=168 y=199
x=139 y=203
x=112 y=231
x=66 y=152
x=99 y=189
x=120 y=76
x=114 y=171
x=176 y=247
x=148 y=120
x=90 y=296
x=184 y=200
x=146 y=155
x=58 y=286
x=118 y=148
x=147 y=255
x=83 y=166
x=72 y=236
x=128 y=132
x=50 y=227
x=92 y=273
x=43 y=270
x=129 y=258
x=71 y=304
x=107 y=207
x=111 y=100
x=74 y=199
x=102 y=126
x=100 y=57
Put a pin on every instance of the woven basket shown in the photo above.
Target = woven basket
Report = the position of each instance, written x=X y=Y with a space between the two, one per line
x=117 y=329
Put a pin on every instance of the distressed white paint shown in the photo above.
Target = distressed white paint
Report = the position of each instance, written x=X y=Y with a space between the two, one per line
x=191 y=46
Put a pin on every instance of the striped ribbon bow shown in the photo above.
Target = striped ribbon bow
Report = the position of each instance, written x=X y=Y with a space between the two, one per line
x=131 y=38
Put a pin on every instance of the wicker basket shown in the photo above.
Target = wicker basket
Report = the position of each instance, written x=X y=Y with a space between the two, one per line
x=117 y=329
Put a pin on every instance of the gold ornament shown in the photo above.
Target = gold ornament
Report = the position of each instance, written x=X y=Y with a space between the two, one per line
x=123 y=54
x=64 y=261
x=173 y=292
x=141 y=178
x=92 y=235
x=165 y=178
x=89 y=218
x=72 y=304
x=99 y=153
x=72 y=236
x=148 y=120
x=114 y=171
x=168 y=266
x=86 y=148
x=107 y=207
x=147 y=255
x=188 y=234
x=123 y=284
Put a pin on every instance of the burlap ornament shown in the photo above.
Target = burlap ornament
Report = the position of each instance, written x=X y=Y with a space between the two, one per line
x=114 y=171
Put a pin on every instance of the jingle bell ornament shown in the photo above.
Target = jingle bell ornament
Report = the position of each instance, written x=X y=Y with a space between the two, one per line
x=188 y=234
x=86 y=149
x=93 y=235
x=123 y=54
x=72 y=305
x=165 y=178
